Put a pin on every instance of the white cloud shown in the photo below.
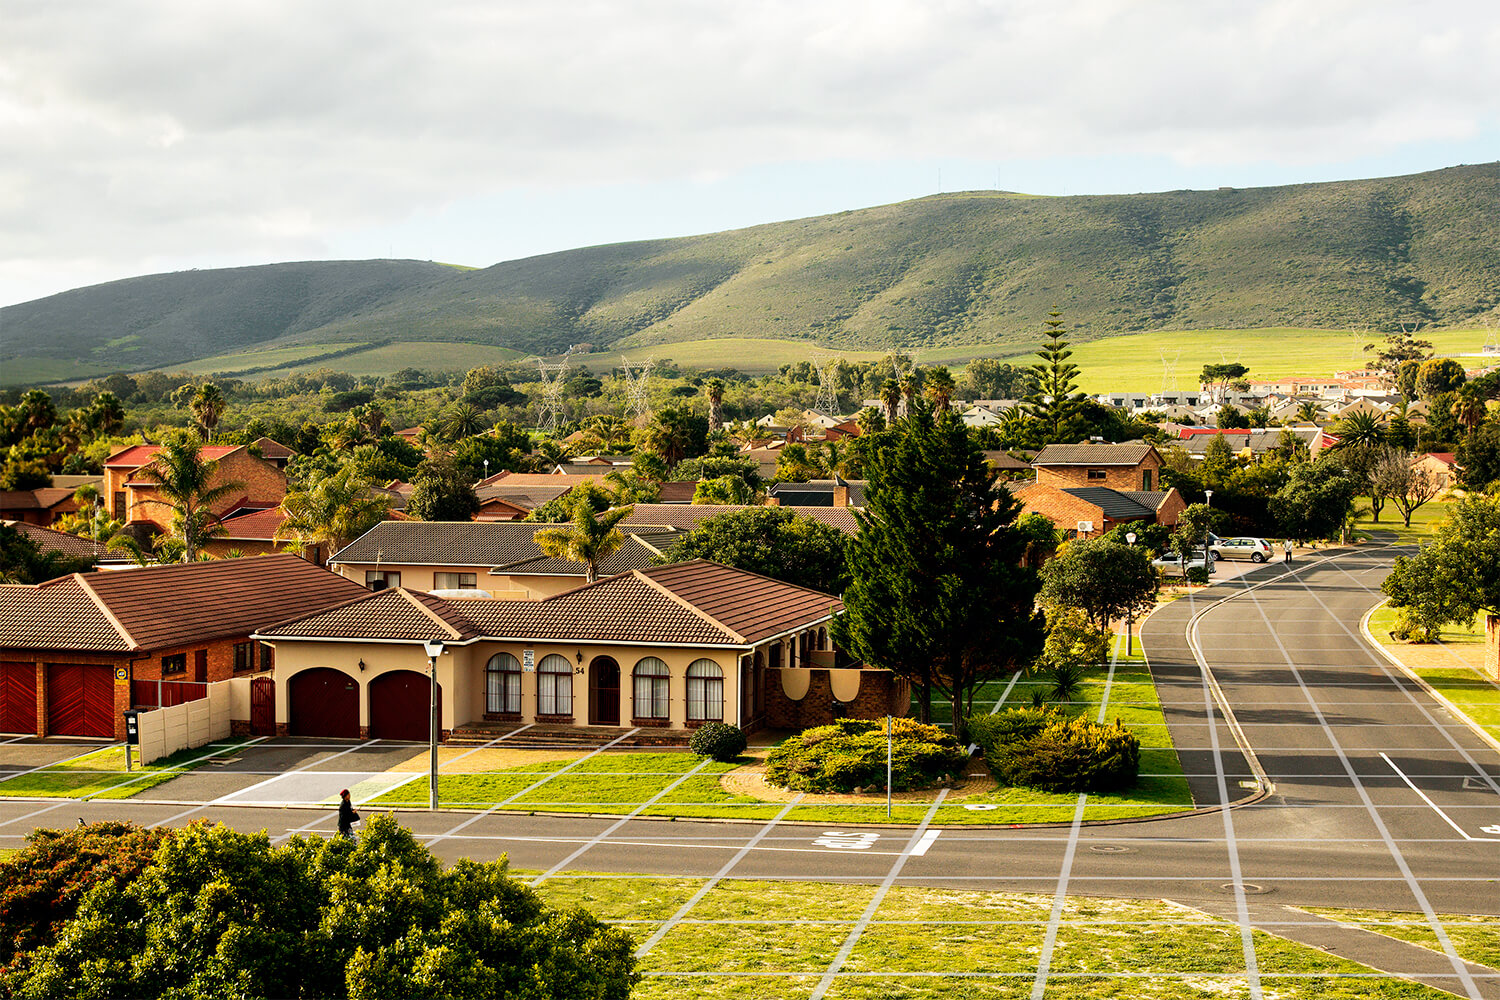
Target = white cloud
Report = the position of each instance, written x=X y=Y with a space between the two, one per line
x=152 y=130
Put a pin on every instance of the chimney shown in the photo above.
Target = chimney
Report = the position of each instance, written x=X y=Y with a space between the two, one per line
x=841 y=496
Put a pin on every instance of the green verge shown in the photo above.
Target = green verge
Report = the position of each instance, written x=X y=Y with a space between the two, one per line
x=762 y=938
x=102 y=774
x=1473 y=937
x=618 y=783
x=1424 y=521
x=1461 y=679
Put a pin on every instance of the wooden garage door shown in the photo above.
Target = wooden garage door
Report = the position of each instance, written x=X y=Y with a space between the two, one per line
x=399 y=705
x=324 y=702
x=17 y=697
x=80 y=700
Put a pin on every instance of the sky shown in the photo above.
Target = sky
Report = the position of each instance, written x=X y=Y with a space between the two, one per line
x=142 y=136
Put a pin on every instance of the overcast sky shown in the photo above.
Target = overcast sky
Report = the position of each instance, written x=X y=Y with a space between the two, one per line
x=138 y=137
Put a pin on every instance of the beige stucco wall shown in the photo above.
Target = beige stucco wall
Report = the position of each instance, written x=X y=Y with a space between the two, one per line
x=513 y=588
x=294 y=657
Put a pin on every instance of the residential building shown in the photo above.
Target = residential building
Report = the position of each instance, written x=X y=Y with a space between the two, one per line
x=1132 y=465
x=43 y=506
x=836 y=492
x=1090 y=511
x=131 y=497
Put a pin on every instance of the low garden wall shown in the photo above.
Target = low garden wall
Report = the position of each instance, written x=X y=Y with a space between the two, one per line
x=164 y=731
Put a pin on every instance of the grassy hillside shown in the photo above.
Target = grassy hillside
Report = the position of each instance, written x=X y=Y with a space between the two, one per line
x=973 y=272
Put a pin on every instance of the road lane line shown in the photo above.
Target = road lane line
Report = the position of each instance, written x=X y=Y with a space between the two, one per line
x=718 y=877
x=1459 y=966
x=925 y=844
x=221 y=800
x=885 y=886
x=1446 y=819
x=1049 y=942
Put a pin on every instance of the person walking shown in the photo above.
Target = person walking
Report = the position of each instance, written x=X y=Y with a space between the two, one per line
x=1286 y=551
x=347 y=816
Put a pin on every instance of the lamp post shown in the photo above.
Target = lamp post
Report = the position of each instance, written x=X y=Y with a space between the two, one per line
x=1208 y=566
x=434 y=649
x=1130 y=537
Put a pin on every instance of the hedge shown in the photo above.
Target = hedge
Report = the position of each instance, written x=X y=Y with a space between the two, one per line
x=1046 y=749
x=851 y=754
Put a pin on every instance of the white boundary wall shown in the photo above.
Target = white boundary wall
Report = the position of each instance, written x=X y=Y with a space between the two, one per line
x=164 y=731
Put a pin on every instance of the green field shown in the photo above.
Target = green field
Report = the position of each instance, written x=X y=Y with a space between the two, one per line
x=379 y=360
x=282 y=357
x=744 y=939
x=1453 y=666
x=102 y=775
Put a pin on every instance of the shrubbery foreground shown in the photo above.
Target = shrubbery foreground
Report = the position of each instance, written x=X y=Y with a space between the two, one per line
x=1047 y=749
x=112 y=911
x=851 y=754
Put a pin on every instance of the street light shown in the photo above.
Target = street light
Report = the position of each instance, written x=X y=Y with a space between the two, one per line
x=1130 y=537
x=434 y=649
x=1208 y=566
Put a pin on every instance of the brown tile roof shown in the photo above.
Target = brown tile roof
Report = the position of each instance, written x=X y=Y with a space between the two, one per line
x=1126 y=453
x=692 y=603
x=271 y=448
x=51 y=540
x=159 y=606
x=58 y=614
x=19 y=500
x=257 y=525
x=631 y=555
x=138 y=455
x=443 y=543
x=543 y=478
x=523 y=496
x=688 y=516
x=679 y=492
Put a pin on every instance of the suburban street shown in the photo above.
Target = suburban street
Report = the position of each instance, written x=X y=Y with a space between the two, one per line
x=1360 y=792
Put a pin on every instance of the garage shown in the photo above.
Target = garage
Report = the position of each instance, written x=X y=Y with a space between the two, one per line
x=399 y=702
x=80 y=700
x=17 y=697
x=324 y=702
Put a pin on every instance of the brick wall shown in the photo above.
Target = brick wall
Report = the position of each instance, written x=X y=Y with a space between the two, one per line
x=1116 y=477
x=262 y=485
x=1171 y=508
x=1062 y=509
x=881 y=693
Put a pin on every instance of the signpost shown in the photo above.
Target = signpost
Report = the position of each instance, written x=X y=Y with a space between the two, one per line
x=132 y=733
x=889 y=739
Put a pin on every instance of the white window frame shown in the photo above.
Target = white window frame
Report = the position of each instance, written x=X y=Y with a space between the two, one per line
x=502 y=684
x=651 y=689
x=554 y=686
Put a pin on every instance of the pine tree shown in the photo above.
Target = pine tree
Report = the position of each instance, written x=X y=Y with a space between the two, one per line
x=1057 y=399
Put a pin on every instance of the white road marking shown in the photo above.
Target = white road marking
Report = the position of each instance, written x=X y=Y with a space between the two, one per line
x=227 y=799
x=925 y=843
x=841 y=841
x=1446 y=818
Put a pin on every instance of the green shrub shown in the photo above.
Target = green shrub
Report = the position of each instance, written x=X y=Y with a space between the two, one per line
x=1044 y=748
x=851 y=754
x=718 y=740
x=1412 y=626
x=1197 y=575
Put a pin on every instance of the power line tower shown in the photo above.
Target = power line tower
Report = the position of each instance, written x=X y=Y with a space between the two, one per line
x=1169 y=371
x=828 y=383
x=550 y=406
x=637 y=386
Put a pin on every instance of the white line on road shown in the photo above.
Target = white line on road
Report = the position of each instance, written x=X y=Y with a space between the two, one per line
x=925 y=843
x=225 y=799
x=1446 y=819
x=1049 y=942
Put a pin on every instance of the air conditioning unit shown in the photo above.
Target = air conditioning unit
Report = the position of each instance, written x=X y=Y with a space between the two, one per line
x=1085 y=527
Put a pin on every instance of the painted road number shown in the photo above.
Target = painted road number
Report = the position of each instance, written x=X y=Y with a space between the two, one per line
x=841 y=841
x=1490 y=829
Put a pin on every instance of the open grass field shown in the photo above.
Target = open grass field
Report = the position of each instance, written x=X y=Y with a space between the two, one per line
x=743 y=939
x=275 y=356
x=1454 y=666
x=1424 y=521
x=101 y=774
x=386 y=358
x=681 y=784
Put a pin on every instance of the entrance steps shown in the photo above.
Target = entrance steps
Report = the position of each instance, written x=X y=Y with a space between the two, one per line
x=552 y=737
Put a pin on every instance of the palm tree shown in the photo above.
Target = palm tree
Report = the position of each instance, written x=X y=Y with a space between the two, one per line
x=1359 y=430
x=184 y=482
x=890 y=398
x=106 y=413
x=909 y=387
x=613 y=431
x=208 y=405
x=1469 y=408
x=714 y=389
x=939 y=388
x=1308 y=412
x=551 y=452
x=463 y=421
x=870 y=420
x=588 y=538
x=334 y=509
x=745 y=433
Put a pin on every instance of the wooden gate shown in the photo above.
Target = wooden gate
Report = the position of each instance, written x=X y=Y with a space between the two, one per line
x=262 y=706
x=17 y=697
x=324 y=702
x=80 y=700
x=399 y=706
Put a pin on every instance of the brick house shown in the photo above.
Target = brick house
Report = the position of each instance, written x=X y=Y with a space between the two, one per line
x=1090 y=511
x=70 y=648
x=668 y=647
x=128 y=494
x=1132 y=465
x=40 y=506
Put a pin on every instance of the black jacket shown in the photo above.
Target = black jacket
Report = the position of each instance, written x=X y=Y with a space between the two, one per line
x=347 y=815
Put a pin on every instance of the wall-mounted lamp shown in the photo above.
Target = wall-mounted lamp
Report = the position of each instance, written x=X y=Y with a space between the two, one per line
x=580 y=656
x=361 y=666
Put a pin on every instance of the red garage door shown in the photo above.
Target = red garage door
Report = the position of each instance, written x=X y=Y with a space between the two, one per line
x=324 y=702
x=17 y=697
x=80 y=700
x=399 y=702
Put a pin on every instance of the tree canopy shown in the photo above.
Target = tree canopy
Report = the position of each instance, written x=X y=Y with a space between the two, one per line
x=1458 y=575
x=1102 y=578
x=772 y=541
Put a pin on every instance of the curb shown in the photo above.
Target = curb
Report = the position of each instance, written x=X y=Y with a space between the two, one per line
x=1434 y=693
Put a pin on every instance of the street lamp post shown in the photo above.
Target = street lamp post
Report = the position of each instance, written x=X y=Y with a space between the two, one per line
x=1208 y=566
x=1130 y=612
x=433 y=649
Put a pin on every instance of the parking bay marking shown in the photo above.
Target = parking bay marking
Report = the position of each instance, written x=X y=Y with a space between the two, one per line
x=1446 y=818
x=862 y=840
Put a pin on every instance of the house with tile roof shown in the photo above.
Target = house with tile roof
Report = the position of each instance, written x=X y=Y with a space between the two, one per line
x=77 y=651
x=69 y=545
x=1130 y=465
x=666 y=647
x=132 y=498
x=1090 y=511
x=42 y=506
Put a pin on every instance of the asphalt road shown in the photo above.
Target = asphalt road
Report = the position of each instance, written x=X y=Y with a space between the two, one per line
x=1376 y=798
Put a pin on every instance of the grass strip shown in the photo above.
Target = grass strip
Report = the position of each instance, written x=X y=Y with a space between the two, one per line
x=1453 y=667
x=102 y=774
x=1473 y=937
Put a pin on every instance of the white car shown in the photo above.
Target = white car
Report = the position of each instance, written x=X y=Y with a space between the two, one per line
x=1171 y=560
x=1257 y=550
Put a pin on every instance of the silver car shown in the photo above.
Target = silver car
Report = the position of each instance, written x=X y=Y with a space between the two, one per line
x=1255 y=549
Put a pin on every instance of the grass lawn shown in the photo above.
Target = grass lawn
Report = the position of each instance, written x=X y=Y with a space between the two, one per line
x=683 y=785
x=776 y=939
x=102 y=775
x=1473 y=937
x=1454 y=666
x=1424 y=521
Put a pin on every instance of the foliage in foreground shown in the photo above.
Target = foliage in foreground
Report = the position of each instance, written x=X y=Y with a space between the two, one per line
x=1458 y=575
x=224 y=914
x=851 y=754
x=1046 y=749
x=718 y=740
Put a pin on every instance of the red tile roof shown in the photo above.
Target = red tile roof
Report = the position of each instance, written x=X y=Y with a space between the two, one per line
x=51 y=540
x=138 y=455
x=58 y=614
x=259 y=525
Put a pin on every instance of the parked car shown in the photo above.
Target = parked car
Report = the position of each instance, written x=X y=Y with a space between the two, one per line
x=1171 y=560
x=1255 y=549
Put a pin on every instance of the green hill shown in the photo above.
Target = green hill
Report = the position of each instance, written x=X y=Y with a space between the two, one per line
x=975 y=268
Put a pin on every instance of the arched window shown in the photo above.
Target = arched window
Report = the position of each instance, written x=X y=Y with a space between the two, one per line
x=822 y=638
x=705 y=692
x=653 y=685
x=502 y=685
x=554 y=686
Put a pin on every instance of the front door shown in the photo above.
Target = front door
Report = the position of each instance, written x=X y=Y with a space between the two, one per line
x=604 y=692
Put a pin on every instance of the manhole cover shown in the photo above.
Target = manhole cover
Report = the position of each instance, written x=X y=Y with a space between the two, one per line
x=1250 y=888
x=1110 y=849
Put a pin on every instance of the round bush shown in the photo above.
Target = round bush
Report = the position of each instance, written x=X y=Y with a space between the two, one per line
x=1197 y=575
x=1067 y=755
x=718 y=740
x=851 y=754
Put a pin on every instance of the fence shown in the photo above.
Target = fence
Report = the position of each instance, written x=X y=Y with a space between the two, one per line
x=146 y=695
x=189 y=723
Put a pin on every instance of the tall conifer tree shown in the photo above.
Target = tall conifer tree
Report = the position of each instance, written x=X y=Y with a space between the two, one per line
x=1057 y=399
